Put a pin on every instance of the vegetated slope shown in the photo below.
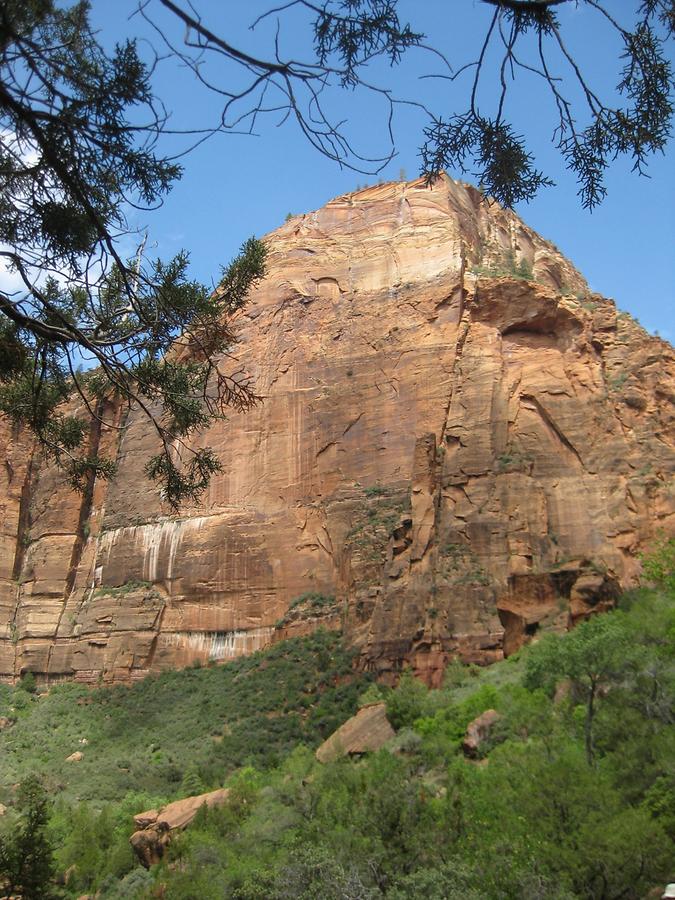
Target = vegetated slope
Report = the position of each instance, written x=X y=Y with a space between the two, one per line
x=211 y=720
x=459 y=442
x=571 y=795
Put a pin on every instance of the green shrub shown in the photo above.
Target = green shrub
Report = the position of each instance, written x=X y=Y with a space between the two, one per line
x=28 y=683
x=505 y=266
x=658 y=564
x=375 y=490
x=373 y=694
x=408 y=702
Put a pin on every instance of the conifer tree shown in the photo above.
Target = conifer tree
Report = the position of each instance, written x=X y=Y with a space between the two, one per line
x=26 y=855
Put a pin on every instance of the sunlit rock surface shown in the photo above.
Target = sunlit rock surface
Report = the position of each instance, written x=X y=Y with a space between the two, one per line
x=450 y=456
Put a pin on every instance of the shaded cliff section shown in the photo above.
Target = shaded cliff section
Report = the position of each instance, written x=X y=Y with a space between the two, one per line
x=460 y=447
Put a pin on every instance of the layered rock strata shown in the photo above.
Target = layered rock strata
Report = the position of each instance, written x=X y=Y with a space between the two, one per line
x=450 y=454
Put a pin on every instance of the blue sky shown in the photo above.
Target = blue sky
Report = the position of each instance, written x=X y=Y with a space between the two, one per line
x=236 y=185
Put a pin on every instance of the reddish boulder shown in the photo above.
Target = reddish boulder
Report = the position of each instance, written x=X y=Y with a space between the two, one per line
x=156 y=828
x=478 y=732
x=365 y=732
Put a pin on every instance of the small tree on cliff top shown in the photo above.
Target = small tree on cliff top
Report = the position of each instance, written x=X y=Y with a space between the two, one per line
x=79 y=131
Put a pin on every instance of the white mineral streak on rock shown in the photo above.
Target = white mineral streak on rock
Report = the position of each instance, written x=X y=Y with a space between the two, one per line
x=156 y=541
x=220 y=645
x=371 y=338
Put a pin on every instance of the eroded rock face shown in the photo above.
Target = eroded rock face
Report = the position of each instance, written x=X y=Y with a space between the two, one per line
x=456 y=456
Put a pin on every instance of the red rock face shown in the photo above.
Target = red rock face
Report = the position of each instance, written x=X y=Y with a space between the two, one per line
x=449 y=456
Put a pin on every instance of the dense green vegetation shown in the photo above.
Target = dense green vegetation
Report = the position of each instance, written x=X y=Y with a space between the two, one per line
x=573 y=794
x=210 y=720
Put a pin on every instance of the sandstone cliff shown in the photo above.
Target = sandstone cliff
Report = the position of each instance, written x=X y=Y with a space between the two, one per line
x=449 y=457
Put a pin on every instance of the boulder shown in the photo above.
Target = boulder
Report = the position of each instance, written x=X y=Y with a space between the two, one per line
x=149 y=845
x=478 y=732
x=142 y=820
x=368 y=730
x=78 y=756
x=156 y=827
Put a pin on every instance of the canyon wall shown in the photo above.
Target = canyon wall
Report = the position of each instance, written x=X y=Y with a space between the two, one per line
x=450 y=456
